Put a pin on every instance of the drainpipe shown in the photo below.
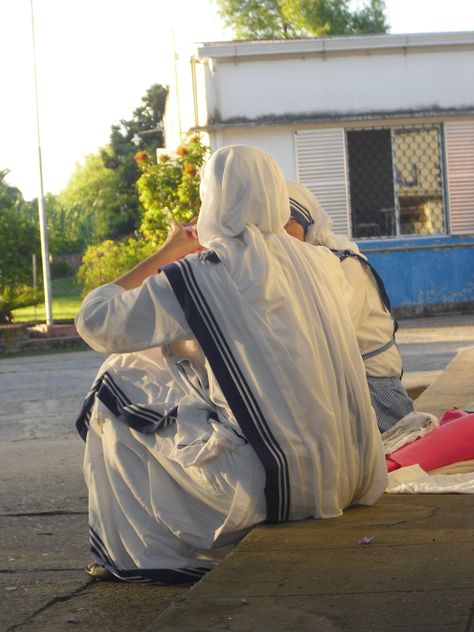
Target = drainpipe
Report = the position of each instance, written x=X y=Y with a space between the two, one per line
x=193 y=62
x=175 y=57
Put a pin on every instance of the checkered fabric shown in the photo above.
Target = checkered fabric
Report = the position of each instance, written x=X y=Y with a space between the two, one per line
x=389 y=399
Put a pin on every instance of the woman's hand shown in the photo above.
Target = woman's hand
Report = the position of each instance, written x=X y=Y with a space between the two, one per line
x=182 y=239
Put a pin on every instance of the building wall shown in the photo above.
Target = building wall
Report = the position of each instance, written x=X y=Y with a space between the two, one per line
x=425 y=274
x=337 y=76
x=342 y=85
x=276 y=140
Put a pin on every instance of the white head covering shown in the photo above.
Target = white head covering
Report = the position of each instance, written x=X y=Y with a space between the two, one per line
x=244 y=210
x=319 y=233
x=233 y=195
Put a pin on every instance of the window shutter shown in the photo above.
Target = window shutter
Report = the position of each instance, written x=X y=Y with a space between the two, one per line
x=321 y=166
x=459 y=139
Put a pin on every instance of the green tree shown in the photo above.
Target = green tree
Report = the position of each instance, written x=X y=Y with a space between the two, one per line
x=143 y=131
x=19 y=239
x=283 y=19
x=94 y=203
x=19 y=236
x=66 y=228
x=109 y=259
x=101 y=200
x=10 y=197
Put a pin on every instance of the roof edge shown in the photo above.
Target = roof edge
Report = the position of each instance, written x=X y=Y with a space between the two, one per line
x=333 y=117
x=254 y=49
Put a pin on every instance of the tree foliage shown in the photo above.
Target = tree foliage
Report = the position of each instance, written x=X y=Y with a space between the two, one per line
x=95 y=203
x=169 y=187
x=106 y=261
x=145 y=127
x=19 y=239
x=101 y=201
x=67 y=230
x=16 y=296
x=283 y=19
x=143 y=131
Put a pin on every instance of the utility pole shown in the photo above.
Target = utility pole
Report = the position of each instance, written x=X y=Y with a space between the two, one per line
x=41 y=205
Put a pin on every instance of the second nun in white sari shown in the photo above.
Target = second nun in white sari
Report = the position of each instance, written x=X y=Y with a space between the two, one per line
x=266 y=418
x=369 y=306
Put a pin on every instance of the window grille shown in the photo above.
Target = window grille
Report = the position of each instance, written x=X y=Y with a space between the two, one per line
x=396 y=181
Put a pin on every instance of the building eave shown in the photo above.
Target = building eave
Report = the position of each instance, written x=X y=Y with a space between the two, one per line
x=252 y=50
x=318 y=118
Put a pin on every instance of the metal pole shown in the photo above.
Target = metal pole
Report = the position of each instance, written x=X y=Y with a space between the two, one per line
x=41 y=205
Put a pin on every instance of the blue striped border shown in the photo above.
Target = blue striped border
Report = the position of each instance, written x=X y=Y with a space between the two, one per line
x=301 y=214
x=136 y=416
x=160 y=576
x=235 y=388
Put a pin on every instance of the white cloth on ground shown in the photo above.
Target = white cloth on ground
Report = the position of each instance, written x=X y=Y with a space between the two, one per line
x=414 y=480
x=409 y=428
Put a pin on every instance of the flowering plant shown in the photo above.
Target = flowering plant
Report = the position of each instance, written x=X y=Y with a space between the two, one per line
x=169 y=188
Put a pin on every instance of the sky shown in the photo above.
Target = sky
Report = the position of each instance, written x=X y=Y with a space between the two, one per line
x=96 y=59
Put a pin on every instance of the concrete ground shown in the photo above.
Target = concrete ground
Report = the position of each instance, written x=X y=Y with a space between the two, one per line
x=44 y=548
x=303 y=576
x=317 y=576
x=402 y=565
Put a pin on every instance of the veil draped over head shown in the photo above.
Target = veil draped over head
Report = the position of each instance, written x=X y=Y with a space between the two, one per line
x=244 y=209
x=319 y=233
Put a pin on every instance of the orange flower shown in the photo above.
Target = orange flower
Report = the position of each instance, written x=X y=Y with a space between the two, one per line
x=182 y=150
x=164 y=158
x=142 y=157
x=189 y=169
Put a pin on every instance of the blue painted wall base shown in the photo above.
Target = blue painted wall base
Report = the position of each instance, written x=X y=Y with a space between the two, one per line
x=425 y=274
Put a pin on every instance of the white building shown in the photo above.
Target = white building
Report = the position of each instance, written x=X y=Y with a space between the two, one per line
x=380 y=128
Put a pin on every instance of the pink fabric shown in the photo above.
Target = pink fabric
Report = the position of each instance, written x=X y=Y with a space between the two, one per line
x=451 y=414
x=453 y=441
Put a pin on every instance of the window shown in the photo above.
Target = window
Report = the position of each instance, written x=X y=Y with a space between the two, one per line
x=396 y=181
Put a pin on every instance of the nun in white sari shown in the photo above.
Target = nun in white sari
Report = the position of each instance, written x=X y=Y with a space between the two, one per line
x=267 y=417
x=369 y=306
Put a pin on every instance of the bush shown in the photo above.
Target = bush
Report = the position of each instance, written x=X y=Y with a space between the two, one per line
x=61 y=269
x=13 y=297
x=108 y=260
x=169 y=188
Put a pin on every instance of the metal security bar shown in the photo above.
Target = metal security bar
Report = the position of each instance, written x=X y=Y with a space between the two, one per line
x=396 y=181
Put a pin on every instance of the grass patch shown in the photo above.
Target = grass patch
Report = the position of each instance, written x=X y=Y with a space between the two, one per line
x=42 y=352
x=66 y=296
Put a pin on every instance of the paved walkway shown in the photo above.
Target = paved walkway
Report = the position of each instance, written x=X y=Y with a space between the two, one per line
x=303 y=576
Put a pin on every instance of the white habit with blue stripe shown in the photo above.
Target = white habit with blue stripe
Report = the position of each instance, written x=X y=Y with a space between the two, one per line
x=276 y=422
